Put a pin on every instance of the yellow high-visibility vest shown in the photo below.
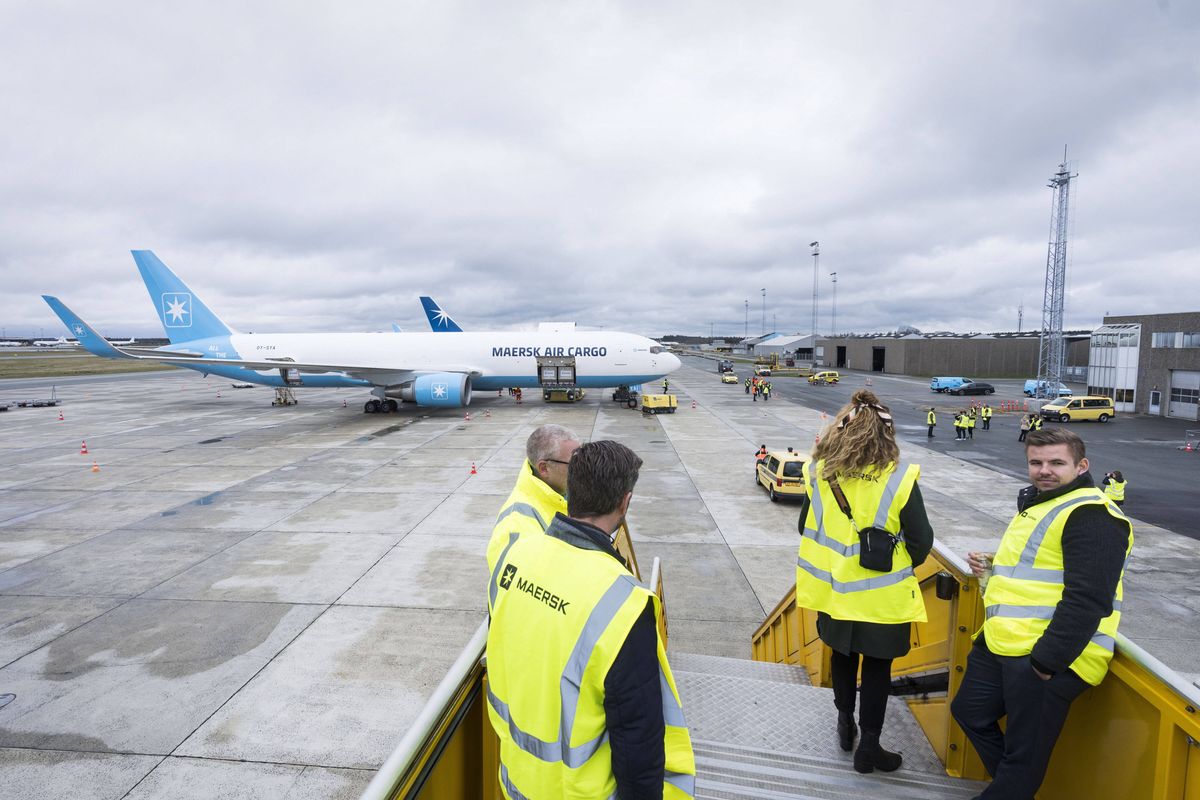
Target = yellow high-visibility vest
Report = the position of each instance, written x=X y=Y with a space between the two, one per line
x=829 y=577
x=970 y=420
x=1027 y=583
x=932 y=418
x=559 y=620
x=1115 y=490
x=987 y=412
x=529 y=509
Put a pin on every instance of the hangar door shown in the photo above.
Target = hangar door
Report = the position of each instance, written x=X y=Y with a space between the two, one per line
x=1185 y=394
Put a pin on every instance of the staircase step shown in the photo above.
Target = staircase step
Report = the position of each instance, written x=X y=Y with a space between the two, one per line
x=761 y=731
x=736 y=773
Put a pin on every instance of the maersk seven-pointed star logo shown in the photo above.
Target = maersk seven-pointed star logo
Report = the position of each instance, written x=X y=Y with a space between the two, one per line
x=177 y=310
x=441 y=318
x=79 y=330
x=439 y=390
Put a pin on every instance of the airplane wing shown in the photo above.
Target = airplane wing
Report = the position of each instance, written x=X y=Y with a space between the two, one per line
x=84 y=333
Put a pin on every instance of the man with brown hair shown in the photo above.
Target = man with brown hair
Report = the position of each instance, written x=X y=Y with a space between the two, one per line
x=1049 y=632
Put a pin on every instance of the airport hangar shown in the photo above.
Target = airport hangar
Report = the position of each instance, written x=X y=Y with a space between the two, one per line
x=975 y=355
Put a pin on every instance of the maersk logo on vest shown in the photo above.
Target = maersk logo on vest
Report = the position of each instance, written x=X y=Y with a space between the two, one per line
x=529 y=587
x=177 y=309
x=506 y=578
x=548 y=352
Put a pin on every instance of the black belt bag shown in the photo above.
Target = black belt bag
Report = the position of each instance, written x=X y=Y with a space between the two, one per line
x=875 y=545
x=875 y=549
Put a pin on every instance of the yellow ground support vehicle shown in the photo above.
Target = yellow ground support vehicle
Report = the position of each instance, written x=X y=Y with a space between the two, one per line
x=659 y=403
x=1066 y=409
x=828 y=376
x=562 y=395
x=729 y=377
x=781 y=474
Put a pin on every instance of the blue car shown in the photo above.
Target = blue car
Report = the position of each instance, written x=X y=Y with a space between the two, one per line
x=1031 y=387
x=946 y=384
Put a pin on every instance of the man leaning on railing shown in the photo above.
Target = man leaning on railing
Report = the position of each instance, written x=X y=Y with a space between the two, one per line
x=1051 y=610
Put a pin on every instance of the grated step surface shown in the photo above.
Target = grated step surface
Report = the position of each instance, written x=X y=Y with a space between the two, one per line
x=761 y=731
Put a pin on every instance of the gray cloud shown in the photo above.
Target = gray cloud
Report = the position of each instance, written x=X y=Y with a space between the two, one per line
x=632 y=166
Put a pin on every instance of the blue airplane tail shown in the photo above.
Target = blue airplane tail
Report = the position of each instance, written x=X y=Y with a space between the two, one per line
x=84 y=333
x=438 y=320
x=184 y=315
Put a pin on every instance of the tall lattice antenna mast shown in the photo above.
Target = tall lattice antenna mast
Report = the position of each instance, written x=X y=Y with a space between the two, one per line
x=1051 y=349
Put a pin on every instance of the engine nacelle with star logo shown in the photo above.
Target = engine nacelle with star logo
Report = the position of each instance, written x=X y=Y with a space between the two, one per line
x=437 y=389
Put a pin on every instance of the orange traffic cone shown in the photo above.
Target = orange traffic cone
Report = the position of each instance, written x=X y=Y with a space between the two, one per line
x=693 y=404
x=218 y=393
x=60 y=416
x=95 y=467
x=1188 y=449
x=473 y=470
x=487 y=412
x=467 y=417
x=343 y=402
x=83 y=451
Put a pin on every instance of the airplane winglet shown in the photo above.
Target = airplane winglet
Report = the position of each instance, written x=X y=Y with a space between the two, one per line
x=84 y=333
x=438 y=320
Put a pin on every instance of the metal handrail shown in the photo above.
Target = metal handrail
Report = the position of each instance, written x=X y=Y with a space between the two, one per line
x=1159 y=670
x=386 y=780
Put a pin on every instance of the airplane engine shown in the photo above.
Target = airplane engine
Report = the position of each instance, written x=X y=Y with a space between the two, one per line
x=437 y=389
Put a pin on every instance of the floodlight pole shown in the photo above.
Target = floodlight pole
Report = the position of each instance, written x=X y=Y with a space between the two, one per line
x=816 y=254
x=833 y=332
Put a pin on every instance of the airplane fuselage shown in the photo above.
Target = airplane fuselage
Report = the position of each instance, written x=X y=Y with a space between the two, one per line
x=496 y=360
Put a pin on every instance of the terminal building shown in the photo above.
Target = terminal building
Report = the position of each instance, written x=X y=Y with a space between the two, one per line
x=1148 y=364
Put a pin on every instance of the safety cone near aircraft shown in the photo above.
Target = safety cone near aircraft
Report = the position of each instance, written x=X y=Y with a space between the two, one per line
x=467 y=417
x=83 y=451
x=95 y=467
x=473 y=470
x=60 y=416
x=487 y=412
x=693 y=404
x=343 y=402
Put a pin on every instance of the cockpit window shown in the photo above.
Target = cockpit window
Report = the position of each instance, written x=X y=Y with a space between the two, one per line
x=657 y=349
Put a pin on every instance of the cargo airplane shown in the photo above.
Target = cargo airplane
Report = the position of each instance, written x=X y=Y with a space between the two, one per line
x=429 y=369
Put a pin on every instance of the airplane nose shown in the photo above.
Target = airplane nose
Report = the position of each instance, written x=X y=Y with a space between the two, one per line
x=671 y=362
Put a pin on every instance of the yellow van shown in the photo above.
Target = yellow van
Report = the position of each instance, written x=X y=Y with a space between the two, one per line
x=828 y=376
x=1066 y=409
x=781 y=474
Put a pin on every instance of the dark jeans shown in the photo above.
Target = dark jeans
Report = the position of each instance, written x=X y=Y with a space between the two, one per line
x=876 y=685
x=987 y=423
x=1021 y=438
x=930 y=432
x=994 y=686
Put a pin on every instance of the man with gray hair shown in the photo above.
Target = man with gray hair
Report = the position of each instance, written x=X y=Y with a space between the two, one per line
x=540 y=492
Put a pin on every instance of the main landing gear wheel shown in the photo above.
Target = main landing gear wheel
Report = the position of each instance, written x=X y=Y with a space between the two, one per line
x=391 y=406
x=371 y=407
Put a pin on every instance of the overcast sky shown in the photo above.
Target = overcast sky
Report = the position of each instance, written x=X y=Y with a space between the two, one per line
x=638 y=166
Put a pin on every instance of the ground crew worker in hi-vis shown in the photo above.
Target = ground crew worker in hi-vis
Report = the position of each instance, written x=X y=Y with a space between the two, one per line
x=766 y=391
x=761 y=454
x=986 y=414
x=971 y=424
x=859 y=487
x=580 y=693
x=748 y=382
x=960 y=426
x=540 y=490
x=666 y=385
x=1051 y=610
x=1114 y=486
x=931 y=421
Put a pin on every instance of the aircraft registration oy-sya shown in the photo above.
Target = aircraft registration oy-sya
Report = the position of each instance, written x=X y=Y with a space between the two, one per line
x=438 y=369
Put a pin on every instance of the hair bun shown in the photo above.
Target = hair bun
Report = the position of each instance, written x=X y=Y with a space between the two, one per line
x=864 y=397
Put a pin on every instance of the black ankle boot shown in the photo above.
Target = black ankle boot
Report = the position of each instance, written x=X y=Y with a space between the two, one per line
x=847 y=730
x=870 y=756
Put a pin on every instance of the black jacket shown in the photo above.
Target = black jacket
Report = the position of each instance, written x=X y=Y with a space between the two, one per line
x=1093 y=545
x=632 y=690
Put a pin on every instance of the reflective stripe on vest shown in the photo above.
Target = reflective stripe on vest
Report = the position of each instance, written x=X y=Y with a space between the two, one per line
x=880 y=521
x=1115 y=490
x=521 y=508
x=1022 y=598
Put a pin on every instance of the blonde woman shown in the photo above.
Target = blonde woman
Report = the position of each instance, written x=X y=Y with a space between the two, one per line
x=863 y=528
